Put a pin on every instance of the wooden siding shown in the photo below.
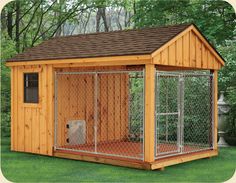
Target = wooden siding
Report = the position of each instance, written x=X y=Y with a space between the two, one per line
x=188 y=51
x=76 y=102
x=32 y=124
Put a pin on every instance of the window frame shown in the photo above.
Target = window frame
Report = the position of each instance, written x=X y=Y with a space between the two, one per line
x=25 y=88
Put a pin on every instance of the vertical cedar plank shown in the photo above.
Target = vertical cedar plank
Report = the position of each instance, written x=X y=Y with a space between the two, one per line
x=207 y=55
x=66 y=107
x=83 y=93
x=43 y=114
x=111 y=107
x=27 y=126
x=127 y=93
x=79 y=96
x=117 y=106
x=12 y=110
x=45 y=104
x=161 y=58
x=50 y=99
x=123 y=103
x=157 y=59
x=172 y=54
x=204 y=57
x=198 y=53
x=104 y=107
x=98 y=109
x=192 y=50
x=74 y=94
x=90 y=108
x=35 y=131
x=164 y=56
x=149 y=113
x=15 y=103
x=21 y=120
x=179 y=52
x=214 y=62
x=60 y=114
x=218 y=65
x=215 y=108
x=186 y=50
x=210 y=60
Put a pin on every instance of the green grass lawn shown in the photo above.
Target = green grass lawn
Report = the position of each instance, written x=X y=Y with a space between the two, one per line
x=23 y=167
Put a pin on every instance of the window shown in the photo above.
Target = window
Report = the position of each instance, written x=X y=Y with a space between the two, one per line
x=31 y=86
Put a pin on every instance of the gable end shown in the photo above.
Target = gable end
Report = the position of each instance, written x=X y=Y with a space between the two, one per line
x=188 y=49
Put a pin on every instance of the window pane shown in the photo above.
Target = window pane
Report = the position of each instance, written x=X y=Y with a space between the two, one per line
x=31 y=88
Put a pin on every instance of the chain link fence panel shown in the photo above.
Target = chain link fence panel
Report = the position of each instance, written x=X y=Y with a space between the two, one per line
x=184 y=120
x=100 y=112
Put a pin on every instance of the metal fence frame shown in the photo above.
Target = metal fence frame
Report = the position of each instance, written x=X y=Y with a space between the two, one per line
x=95 y=73
x=181 y=89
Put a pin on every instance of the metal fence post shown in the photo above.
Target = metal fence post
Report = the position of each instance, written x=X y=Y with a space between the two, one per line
x=95 y=109
x=179 y=115
x=182 y=77
x=212 y=110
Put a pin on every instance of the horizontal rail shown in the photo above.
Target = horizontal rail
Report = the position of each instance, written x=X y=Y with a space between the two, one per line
x=99 y=72
x=177 y=73
x=166 y=114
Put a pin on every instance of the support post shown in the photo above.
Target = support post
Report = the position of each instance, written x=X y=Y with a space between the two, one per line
x=12 y=110
x=149 y=140
x=51 y=110
x=215 y=109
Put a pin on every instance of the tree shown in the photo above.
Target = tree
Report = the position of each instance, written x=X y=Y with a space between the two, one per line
x=227 y=81
x=216 y=19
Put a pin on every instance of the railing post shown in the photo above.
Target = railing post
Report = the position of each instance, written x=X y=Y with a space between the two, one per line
x=149 y=140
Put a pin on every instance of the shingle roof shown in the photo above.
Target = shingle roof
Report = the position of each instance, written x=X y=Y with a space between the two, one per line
x=116 y=43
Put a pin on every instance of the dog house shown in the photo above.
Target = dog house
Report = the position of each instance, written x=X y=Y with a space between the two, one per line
x=143 y=98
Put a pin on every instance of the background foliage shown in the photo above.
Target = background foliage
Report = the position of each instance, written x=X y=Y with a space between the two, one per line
x=27 y=23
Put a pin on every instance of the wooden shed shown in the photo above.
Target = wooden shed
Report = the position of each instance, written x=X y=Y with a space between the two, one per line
x=144 y=98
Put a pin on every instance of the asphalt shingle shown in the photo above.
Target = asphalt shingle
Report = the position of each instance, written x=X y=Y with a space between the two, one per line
x=115 y=43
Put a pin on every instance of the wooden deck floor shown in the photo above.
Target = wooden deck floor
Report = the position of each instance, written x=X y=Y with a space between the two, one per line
x=169 y=149
x=129 y=149
x=116 y=148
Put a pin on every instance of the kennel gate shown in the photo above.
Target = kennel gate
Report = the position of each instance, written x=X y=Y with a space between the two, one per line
x=184 y=113
x=110 y=104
